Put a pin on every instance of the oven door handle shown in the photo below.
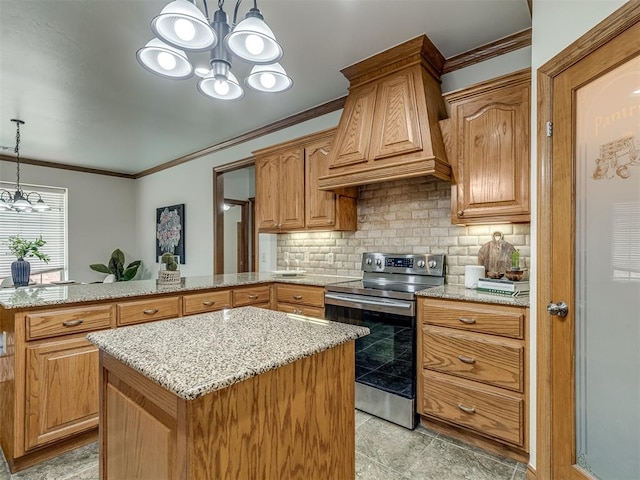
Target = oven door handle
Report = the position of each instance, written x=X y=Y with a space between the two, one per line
x=364 y=301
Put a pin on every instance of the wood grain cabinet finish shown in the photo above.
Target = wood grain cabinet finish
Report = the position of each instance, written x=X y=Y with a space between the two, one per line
x=259 y=295
x=139 y=311
x=193 y=303
x=300 y=299
x=280 y=190
x=287 y=194
x=51 y=323
x=472 y=372
x=61 y=390
x=389 y=126
x=490 y=150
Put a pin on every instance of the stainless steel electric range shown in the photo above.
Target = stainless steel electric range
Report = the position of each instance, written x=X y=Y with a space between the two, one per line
x=384 y=301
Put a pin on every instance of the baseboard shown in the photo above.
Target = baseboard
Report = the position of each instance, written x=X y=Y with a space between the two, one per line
x=531 y=473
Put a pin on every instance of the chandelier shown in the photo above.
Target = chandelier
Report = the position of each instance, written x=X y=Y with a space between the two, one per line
x=20 y=201
x=181 y=27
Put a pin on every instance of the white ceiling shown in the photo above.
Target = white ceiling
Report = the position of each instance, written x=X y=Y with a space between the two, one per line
x=68 y=69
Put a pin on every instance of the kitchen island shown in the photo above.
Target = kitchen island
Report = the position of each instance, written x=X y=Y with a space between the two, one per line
x=45 y=359
x=242 y=393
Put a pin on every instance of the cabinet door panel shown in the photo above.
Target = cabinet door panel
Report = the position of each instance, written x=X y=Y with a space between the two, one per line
x=395 y=128
x=320 y=205
x=291 y=189
x=267 y=197
x=61 y=390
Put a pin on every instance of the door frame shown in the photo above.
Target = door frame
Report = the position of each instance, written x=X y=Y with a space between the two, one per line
x=622 y=19
x=218 y=209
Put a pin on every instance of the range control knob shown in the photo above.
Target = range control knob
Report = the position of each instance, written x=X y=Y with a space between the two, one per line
x=433 y=264
x=368 y=261
x=421 y=264
x=379 y=262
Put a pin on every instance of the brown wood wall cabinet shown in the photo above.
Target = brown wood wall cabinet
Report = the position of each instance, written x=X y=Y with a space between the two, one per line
x=49 y=393
x=389 y=126
x=473 y=373
x=488 y=134
x=300 y=299
x=287 y=194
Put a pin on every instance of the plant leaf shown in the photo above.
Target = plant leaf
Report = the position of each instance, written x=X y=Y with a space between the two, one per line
x=117 y=254
x=129 y=273
x=99 y=267
x=134 y=264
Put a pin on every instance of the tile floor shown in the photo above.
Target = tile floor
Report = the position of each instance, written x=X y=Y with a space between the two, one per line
x=384 y=451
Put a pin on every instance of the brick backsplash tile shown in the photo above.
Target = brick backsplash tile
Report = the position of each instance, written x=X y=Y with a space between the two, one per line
x=403 y=216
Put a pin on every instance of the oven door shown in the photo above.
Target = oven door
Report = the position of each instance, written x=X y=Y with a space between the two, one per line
x=385 y=359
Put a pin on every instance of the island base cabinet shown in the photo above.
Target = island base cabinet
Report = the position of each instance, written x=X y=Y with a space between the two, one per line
x=294 y=422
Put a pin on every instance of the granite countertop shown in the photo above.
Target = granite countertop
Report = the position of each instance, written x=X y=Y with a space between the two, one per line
x=196 y=355
x=459 y=292
x=26 y=297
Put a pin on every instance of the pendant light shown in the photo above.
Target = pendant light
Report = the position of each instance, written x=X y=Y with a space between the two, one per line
x=181 y=27
x=20 y=201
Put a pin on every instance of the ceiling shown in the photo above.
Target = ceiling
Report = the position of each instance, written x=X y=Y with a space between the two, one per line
x=69 y=70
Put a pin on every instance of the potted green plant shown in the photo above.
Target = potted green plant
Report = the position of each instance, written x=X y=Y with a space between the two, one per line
x=116 y=267
x=21 y=248
x=515 y=273
x=169 y=268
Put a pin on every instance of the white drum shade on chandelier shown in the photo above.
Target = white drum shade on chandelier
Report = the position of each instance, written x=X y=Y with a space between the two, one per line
x=181 y=27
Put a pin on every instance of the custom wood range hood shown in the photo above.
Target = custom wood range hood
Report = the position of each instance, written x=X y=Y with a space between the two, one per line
x=389 y=126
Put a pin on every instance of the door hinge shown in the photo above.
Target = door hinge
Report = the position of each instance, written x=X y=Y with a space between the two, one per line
x=549 y=129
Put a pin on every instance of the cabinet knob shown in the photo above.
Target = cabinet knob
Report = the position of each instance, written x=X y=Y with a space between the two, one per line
x=208 y=303
x=460 y=213
x=468 y=360
x=253 y=296
x=150 y=311
x=466 y=409
x=297 y=297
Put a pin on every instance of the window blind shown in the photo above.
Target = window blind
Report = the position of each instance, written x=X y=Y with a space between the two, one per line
x=52 y=225
x=626 y=240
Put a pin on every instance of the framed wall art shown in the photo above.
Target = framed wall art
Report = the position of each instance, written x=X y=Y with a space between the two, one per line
x=170 y=231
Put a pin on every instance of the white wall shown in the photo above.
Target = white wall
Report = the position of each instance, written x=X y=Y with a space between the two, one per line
x=192 y=184
x=556 y=24
x=101 y=214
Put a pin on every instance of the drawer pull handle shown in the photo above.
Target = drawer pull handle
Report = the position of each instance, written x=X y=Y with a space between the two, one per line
x=72 y=323
x=468 y=360
x=468 y=321
x=150 y=311
x=297 y=297
x=466 y=409
x=253 y=296
x=208 y=303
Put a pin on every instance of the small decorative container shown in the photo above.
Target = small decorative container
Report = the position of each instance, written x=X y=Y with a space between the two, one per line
x=169 y=272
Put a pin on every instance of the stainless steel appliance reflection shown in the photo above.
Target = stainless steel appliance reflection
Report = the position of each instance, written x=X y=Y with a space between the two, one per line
x=384 y=301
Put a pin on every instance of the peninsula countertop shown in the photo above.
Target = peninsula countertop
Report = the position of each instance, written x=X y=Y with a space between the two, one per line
x=459 y=292
x=196 y=355
x=27 y=297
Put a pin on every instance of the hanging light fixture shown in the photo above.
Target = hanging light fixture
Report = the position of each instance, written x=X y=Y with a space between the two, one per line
x=181 y=27
x=21 y=201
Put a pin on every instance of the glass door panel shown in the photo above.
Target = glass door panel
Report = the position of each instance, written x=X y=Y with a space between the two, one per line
x=607 y=269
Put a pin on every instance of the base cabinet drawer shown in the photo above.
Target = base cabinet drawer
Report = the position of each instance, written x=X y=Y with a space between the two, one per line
x=255 y=296
x=484 y=358
x=500 y=320
x=301 y=310
x=206 y=302
x=489 y=412
x=62 y=381
x=148 y=310
x=52 y=323
x=300 y=295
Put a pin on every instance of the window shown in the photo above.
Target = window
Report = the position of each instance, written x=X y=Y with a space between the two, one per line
x=52 y=225
x=626 y=240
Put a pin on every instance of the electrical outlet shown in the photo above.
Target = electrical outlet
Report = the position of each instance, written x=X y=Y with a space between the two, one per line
x=330 y=258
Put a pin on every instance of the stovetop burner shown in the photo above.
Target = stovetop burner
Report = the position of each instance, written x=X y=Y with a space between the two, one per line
x=395 y=275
